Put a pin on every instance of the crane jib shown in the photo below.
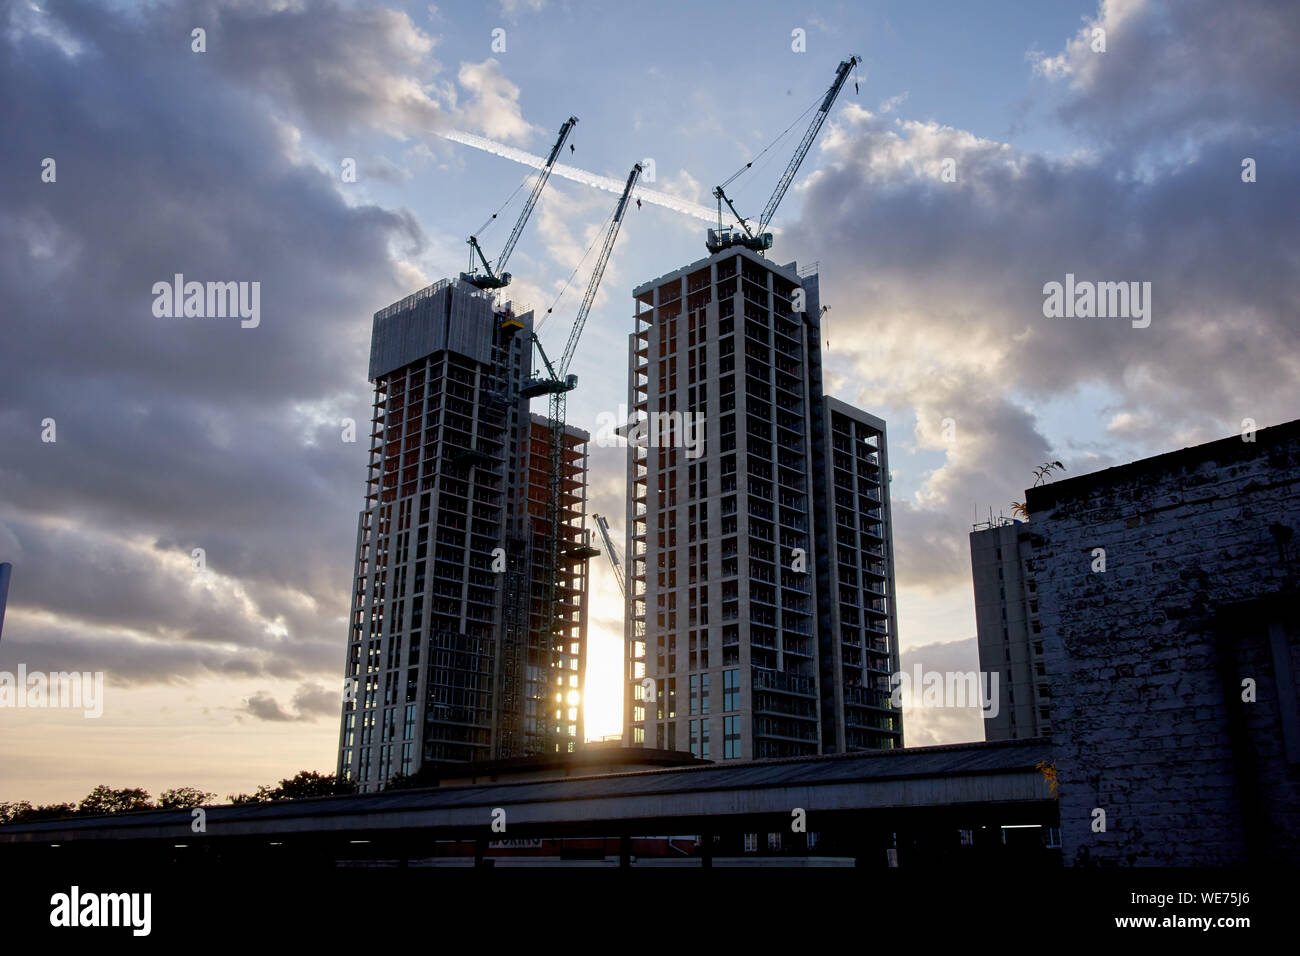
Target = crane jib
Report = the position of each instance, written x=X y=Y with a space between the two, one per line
x=760 y=240
x=500 y=278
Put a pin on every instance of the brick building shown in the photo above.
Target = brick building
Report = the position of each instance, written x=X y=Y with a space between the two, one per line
x=1173 y=665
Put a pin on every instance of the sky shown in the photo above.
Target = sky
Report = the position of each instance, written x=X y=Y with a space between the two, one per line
x=170 y=435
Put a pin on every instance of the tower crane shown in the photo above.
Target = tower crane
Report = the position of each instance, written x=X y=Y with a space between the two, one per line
x=614 y=561
x=759 y=239
x=556 y=383
x=496 y=278
x=620 y=574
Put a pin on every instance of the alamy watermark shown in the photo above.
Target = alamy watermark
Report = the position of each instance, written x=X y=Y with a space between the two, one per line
x=212 y=300
x=1098 y=300
x=76 y=908
x=656 y=430
x=62 y=689
x=946 y=689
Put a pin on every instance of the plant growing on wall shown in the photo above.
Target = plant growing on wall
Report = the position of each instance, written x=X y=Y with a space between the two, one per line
x=1040 y=477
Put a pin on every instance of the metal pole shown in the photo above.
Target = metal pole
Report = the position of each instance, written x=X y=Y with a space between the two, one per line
x=5 y=570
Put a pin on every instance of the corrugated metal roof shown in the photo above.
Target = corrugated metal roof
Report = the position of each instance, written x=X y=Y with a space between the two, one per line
x=922 y=762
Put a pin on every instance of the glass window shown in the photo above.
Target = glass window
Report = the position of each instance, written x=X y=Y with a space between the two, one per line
x=731 y=690
x=730 y=738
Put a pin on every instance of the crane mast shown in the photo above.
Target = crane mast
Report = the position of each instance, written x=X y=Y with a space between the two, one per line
x=556 y=383
x=497 y=278
x=760 y=239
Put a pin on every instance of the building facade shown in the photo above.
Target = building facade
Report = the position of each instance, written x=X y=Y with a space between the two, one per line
x=857 y=621
x=1009 y=629
x=1170 y=591
x=439 y=667
x=557 y=668
x=735 y=648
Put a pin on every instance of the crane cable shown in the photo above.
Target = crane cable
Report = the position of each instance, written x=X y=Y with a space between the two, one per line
x=727 y=182
x=568 y=282
x=509 y=199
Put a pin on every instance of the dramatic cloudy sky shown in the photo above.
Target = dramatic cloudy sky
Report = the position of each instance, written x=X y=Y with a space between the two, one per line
x=225 y=165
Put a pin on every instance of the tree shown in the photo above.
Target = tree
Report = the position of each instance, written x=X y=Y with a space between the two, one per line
x=426 y=776
x=104 y=799
x=305 y=783
x=258 y=797
x=15 y=812
x=51 y=811
x=183 y=798
x=309 y=783
x=24 y=812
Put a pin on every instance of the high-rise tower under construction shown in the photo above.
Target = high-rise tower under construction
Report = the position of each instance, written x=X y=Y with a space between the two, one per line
x=451 y=653
x=760 y=599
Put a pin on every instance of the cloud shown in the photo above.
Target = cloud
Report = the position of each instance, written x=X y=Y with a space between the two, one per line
x=510 y=9
x=333 y=68
x=493 y=107
x=936 y=291
x=1174 y=72
x=893 y=103
x=929 y=726
x=684 y=185
x=174 y=434
x=312 y=700
x=264 y=707
x=310 y=703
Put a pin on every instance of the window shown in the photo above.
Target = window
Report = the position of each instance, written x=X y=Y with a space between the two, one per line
x=774 y=841
x=695 y=694
x=730 y=738
x=704 y=698
x=731 y=690
x=751 y=842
